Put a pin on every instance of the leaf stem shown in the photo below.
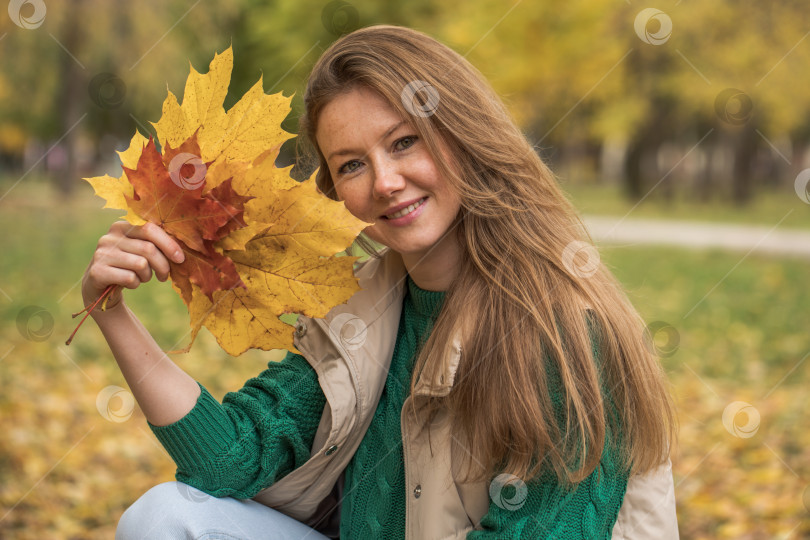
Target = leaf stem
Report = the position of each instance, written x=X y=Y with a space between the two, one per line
x=104 y=296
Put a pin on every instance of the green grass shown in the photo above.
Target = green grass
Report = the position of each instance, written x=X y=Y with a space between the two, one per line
x=747 y=325
x=765 y=209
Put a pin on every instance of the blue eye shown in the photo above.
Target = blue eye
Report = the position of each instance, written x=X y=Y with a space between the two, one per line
x=345 y=168
x=409 y=141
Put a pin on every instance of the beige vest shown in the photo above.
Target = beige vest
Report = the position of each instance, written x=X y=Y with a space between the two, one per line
x=351 y=349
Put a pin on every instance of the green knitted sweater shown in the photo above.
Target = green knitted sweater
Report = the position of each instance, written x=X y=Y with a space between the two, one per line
x=265 y=430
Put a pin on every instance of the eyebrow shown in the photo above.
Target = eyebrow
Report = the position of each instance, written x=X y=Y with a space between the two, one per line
x=345 y=151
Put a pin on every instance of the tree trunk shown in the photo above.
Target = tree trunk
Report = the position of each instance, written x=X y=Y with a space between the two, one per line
x=745 y=146
x=72 y=96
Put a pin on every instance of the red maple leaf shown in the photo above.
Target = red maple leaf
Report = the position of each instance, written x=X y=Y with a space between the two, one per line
x=168 y=191
x=210 y=270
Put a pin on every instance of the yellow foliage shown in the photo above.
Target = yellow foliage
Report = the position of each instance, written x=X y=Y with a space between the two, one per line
x=285 y=253
x=115 y=190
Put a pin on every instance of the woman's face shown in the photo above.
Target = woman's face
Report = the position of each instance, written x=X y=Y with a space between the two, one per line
x=378 y=164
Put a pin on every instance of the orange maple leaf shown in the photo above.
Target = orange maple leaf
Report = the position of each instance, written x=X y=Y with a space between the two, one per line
x=164 y=196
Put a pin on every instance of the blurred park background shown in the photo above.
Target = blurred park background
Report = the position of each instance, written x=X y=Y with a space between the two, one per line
x=692 y=114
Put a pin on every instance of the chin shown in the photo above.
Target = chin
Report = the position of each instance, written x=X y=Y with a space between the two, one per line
x=411 y=248
x=411 y=242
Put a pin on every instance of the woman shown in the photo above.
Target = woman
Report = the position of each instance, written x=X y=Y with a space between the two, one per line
x=499 y=386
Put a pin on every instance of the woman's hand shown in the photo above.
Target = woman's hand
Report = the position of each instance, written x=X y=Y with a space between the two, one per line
x=126 y=256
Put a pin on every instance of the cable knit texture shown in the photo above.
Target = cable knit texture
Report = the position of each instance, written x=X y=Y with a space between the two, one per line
x=254 y=438
x=266 y=429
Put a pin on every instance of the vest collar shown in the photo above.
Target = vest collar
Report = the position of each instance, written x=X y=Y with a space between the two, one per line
x=389 y=274
x=443 y=382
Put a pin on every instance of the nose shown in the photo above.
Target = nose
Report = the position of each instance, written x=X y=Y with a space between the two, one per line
x=387 y=180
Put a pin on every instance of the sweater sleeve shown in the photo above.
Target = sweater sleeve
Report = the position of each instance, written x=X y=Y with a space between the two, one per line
x=254 y=437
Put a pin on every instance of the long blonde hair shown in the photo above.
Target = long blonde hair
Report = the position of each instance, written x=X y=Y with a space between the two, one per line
x=534 y=304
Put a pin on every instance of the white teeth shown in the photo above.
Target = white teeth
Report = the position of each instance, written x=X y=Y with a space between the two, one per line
x=406 y=211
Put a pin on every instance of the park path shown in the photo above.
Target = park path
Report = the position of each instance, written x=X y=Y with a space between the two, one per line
x=695 y=234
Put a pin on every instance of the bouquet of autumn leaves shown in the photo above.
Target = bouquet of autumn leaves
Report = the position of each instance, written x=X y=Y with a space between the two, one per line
x=257 y=243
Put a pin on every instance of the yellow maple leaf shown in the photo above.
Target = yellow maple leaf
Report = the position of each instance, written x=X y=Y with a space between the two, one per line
x=114 y=189
x=290 y=267
x=285 y=249
x=241 y=319
x=247 y=130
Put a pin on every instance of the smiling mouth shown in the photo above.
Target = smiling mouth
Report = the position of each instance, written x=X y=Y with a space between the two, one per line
x=407 y=210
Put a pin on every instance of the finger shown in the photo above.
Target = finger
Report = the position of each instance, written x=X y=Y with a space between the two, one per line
x=132 y=258
x=124 y=278
x=147 y=250
x=169 y=246
x=101 y=278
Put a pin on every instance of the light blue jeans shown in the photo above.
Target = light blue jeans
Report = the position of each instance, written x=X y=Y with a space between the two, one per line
x=176 y=510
